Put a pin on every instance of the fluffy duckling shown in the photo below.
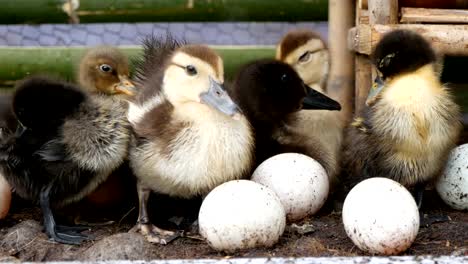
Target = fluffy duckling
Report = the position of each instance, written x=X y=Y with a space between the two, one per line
x=268 y=91
x=410 y=122
x=67 y=143
x=307 y=53
x=105 y=70
x=190 y=135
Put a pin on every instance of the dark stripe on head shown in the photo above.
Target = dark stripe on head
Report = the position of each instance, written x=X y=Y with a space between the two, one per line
x=296 y=38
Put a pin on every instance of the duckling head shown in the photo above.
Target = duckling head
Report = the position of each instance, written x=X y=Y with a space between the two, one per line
x=195 y=74
x=269 y=90
x=307 y=53
x=105 y=70
x=399 y=52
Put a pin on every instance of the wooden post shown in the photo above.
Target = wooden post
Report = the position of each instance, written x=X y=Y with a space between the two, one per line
x=383 y=12
x=341 y=79
x=380 y=12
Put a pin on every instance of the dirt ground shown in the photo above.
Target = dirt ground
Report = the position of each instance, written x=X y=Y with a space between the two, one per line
x=21 y=237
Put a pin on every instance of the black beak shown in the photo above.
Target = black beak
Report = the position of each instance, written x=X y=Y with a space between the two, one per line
x=319 y=101
x=20 y=129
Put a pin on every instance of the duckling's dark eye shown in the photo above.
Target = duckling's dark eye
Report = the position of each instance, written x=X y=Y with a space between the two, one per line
x=191 y=70
x=304 y=57
x=105 y=68
x=284 y=78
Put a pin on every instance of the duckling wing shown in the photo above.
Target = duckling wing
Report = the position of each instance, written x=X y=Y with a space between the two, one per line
x=52 y=151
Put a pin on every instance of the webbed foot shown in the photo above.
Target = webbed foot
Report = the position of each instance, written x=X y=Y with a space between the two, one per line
x=157 y=235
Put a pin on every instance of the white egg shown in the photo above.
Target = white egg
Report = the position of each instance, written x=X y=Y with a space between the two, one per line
x=381 y=216
x=241 y=214
x=452 y=185
x=5 y=197
x=300 y=182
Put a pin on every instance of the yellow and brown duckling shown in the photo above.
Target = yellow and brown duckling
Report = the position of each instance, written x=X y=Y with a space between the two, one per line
x=307 y=53
x=410 y=122
x=105 y=70
x=66 y=143
x=268 y=91
x=190 y=135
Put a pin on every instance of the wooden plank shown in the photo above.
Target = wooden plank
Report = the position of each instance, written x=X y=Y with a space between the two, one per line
x=446 y=39
x=98 y=11
x=456 y=4
x=341 y=78
x=19 y=62
x=383 y=11
x=363 y=81
x=433 y=15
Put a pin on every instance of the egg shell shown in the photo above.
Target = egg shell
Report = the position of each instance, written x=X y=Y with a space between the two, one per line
x=452 y=185
x=5 y=197
x=300 y=182
x=241 y=214
x=380 y=216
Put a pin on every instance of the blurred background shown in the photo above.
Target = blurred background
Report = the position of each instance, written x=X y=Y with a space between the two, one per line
x=38 y=36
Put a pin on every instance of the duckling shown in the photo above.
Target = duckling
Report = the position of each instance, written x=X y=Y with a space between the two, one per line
x=105 y=70
x=190 y=135
x=410 y=122
x=268 y=91
x=66 y=143
x=307 y=53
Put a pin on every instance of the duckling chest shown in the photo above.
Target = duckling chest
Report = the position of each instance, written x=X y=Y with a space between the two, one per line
x=417 y=118
x=192 y=158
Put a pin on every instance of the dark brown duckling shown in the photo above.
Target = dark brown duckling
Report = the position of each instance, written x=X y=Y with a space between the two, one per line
x=410 y=122
x=268 y=91
x=190 y=135
x=67 y=143
x=308 y=54
x=105 y=70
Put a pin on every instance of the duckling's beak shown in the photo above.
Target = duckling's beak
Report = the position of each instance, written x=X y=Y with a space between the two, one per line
x=125 y=86
x=375 y=91
x=217 y=97
x=316 y=100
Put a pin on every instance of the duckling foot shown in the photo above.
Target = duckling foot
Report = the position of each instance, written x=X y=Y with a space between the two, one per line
x=157 y=235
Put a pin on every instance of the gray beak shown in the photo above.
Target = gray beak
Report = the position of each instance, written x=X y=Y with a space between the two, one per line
x=218 y=98
x=375 y=91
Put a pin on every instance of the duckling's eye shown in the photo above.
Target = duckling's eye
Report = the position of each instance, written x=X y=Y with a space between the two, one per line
x=284 y=78
x=105 y=68
x=304 y=57
x=191 y=70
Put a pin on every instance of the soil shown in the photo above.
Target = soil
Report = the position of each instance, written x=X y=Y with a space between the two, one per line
x=21 y=236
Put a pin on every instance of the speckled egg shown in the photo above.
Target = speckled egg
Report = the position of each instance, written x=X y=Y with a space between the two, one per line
x=241 y=214
x=300 y=182
x=452 y=185
x=5 y=197
x=380 y=216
